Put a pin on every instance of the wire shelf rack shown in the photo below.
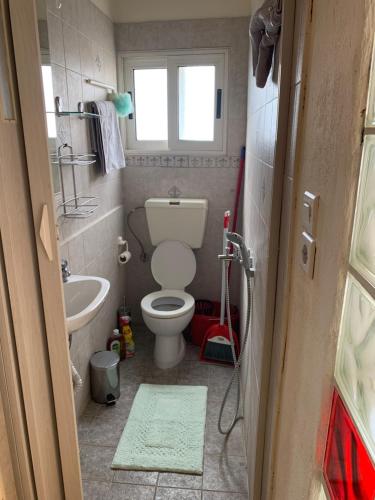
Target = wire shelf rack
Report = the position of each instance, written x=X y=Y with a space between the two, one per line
x=79 y=205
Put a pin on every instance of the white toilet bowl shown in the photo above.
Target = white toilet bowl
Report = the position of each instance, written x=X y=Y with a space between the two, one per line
x=167 y=312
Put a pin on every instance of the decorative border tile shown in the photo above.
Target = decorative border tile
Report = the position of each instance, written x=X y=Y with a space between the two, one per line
x=182 y=161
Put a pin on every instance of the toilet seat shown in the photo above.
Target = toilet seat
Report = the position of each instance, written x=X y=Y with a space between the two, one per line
x=173 y=265
x=157 y=305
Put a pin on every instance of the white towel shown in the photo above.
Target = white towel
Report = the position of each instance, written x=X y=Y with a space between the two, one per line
x=112 y=144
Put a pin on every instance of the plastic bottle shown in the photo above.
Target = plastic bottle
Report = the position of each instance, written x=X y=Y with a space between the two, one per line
x=114 y=342
x=128 y=337
x=121 y=312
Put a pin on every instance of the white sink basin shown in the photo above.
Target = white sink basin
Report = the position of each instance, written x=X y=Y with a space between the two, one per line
x=84 y=296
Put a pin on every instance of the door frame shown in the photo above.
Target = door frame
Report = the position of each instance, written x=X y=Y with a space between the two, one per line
x=24 y=27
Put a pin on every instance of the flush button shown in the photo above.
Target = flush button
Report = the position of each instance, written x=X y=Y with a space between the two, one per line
x=308 y=251
x=310 y=212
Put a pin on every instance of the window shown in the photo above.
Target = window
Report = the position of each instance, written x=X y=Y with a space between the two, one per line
x=179 y=101
x=49 y=100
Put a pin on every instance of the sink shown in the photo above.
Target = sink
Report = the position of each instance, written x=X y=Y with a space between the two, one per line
x=84 y=296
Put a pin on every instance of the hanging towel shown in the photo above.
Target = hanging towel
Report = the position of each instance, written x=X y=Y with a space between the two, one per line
x=106 y=138
x=264 y=31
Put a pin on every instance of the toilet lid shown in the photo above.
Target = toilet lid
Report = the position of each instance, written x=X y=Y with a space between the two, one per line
x=173 y=265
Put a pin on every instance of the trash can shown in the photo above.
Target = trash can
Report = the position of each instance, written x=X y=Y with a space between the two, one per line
x=105 y=377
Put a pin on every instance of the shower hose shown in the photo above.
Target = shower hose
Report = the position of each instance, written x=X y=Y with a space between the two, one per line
x=235 y=378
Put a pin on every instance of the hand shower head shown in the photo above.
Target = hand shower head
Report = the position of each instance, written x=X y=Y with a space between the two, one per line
x=237 y=240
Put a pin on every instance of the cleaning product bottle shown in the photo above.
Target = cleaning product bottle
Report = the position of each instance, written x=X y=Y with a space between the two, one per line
x=123 y=310
x=128 y=337
x=114 y=342
x=122 y=323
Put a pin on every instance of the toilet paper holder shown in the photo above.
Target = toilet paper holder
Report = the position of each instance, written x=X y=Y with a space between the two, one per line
x=125 y=255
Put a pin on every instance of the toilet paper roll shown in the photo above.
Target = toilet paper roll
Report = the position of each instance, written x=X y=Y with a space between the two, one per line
x=124 y=258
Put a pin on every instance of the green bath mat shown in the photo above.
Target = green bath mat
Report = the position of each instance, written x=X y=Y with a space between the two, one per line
x=165 y=430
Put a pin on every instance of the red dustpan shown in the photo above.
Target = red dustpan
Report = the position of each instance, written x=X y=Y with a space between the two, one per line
x=216 y=345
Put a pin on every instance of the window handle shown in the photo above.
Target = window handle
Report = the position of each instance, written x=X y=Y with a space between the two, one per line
x=219 y=96
x=130 y=116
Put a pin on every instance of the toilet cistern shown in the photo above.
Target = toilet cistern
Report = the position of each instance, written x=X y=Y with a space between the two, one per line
x=176 y=226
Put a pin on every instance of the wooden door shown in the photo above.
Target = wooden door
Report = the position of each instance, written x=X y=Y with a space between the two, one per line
x=36 y=321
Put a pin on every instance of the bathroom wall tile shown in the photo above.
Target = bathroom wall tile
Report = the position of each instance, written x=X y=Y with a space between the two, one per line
x=130 y=492
x=176 y=494
x=52 y=6
x=266 y=193
x=111 y=68
x=103 y=27
x=76 y=255
x=86 y=18
x=170 y=34
x=74 y=85
x=99 y=65
x=70 y=12
x=143 y=36
x=87 y=58
x=225 y=473
x=56 y=40
x=60 y=85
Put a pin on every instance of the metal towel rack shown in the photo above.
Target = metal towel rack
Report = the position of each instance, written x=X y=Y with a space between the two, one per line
x=101 y=85
x=79 y=205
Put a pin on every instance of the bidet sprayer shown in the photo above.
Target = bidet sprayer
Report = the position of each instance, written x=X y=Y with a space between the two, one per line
x=245 y=254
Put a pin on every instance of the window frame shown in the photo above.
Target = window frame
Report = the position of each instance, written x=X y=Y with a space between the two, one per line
x=172 y=60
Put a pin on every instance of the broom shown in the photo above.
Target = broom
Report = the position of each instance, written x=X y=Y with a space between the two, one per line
x=217 y=345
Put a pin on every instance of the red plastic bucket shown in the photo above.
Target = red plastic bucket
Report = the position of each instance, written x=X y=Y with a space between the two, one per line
x=208 y=314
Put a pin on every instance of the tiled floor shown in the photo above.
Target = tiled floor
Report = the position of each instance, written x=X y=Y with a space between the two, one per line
x=99 y=429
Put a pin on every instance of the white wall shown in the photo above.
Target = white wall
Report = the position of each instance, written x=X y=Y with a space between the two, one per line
x=123 y=11
x=105 y=6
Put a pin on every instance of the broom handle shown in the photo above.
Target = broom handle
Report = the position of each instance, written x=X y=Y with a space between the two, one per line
x=223 y=281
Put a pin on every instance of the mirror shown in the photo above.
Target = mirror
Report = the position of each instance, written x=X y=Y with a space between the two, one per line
x=48 y=88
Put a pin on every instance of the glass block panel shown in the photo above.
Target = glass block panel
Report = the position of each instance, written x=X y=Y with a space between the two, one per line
x=150 y=87
x=362 y=255
x=348 y=471
x=196 y=103
x=355 y=361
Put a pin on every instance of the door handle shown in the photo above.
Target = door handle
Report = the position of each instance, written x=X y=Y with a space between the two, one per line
x=45 y=234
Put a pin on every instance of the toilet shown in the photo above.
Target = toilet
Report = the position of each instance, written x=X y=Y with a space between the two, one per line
x=176 y=227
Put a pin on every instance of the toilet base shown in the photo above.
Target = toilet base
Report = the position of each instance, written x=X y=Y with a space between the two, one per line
x=169 y=350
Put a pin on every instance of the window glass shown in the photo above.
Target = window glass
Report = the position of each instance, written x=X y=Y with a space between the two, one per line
x=49 y=100
x=196 y=103
x=363 y=245
x=151 y=108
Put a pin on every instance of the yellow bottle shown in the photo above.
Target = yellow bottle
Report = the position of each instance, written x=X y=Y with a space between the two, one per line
x=128 y=338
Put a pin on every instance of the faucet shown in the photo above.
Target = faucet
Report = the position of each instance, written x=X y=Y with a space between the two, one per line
x=65 y=271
